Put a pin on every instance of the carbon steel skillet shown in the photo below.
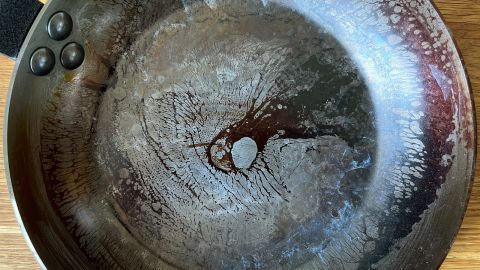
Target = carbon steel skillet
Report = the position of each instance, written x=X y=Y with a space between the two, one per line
x=236 y=134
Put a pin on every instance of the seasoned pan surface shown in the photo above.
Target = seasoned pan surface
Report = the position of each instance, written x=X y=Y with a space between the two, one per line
x=244 y=135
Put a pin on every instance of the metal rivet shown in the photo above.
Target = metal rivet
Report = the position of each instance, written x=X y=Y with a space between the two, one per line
x=60 y=26
x=42 y=61
x=72 y=56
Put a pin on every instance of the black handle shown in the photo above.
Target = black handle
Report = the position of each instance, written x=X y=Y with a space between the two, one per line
x=16 y=18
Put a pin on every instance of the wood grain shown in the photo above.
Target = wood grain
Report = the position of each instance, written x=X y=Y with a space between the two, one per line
x=462 y=17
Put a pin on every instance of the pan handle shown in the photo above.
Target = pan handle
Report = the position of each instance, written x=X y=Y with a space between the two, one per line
x=16 y=18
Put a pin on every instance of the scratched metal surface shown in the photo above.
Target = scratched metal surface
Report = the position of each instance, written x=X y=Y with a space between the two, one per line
x=225 y=166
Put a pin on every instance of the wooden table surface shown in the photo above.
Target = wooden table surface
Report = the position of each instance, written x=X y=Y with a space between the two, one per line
x=463 y=18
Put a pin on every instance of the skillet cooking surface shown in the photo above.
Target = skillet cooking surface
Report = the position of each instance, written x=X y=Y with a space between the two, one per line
x=237 y=147
x=250 y=135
